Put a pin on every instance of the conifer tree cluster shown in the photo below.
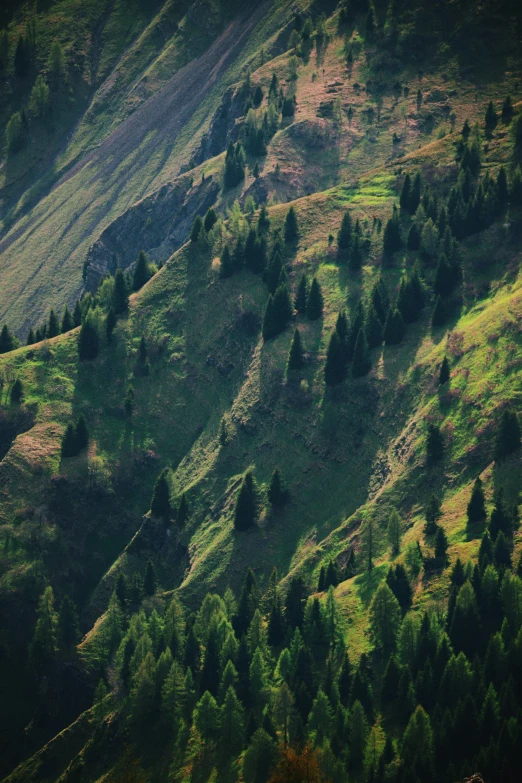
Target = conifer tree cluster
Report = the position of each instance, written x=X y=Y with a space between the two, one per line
x=234 y=165
x=75 y=438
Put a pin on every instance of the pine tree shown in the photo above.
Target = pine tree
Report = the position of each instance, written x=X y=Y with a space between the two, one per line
x=160 y=503
x=69 y=442
x=373 y=327
x=508 y=434
x=43 y=644
x=439 y=313
x=291 y=226
x=211 y=219
x=67 y=321
x=197 y=229
x=295 y=357
x=394 y=328
x=277 y=493
x=444 y=277
x=274 y=268
x=380 y=300
x=502 y=189
x=17 y=392
x=334 y=370
x=110 y=324
x=269 y=328
x=432 y=512
x=81 y=434
x=476 y=507
x=441 y=545
x=7 y=342
x=405 y=196
x=507 y=109
x=414 y=238
x=88 y=342
x=263 y=221
x=31 y=337
x=392 y=240
x=444 y=372
x=370 y=24
x=183 y=511
x=141 y=273
x=120 y=297
x=314 y=308
x=500 y=520
x=301 y=297
x=227 y=264
x=344 y=237
x=245 y=513
x=53 y=327
x=282 y=307
x=77 y=314
x=238 y=258
x=150 y=581
x=491 y=117
x=361 y=361
x=22 y=58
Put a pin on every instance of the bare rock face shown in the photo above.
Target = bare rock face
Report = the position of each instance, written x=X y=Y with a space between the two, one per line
x=159 y=224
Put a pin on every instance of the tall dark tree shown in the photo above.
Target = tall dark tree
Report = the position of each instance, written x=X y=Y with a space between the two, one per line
x=373 y=327
x=160 y=504
x=361 y=360
x=7 y=342
x=182 y=513
x=392 y=239
x=438 y=316
x=394 y=328
x=246 y=510
x=77 y=313
x=434 y=444
x=500 y=520
x=444 y=372
x=53 y=327
x=17 y=392
x=68 y=631
x=508 y=434
x=291 y=226
x=314 y=308
x=405 y=194
x=295 y=602
x=295 y=357
x=335 y=367
x=432 y=512
x=88 y=342
x=476 y=510
x=120 y=296
x=211 y=219
x=227 y=263
x=197 y=229
x=277 y=494
x=67 y=321
x=344 y=237
x=110 y=324
x=141 y=273
x=491 y=117
x=150 y=580
x=263 y=221
x=441 y=545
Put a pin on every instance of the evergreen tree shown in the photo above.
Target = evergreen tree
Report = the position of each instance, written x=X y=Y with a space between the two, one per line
x=432 y=512
x=373 y=327
x=476 y=510
x=361 y=360
x=53 y=327
x=234 y=166
x=43 y=644
x=500 y=521
x=120 y=296
x=31 y=337
x=314 y=308
x=491 y=118
x=394 y=531
x=245 y=513
x=405 y=196
x=444 y=372
x=68 y=632
x=263 y=221
x=274 y=269
x=227 y=263
x=370 y=24
x=301 y=297
x=334 y=370
x=277 y=493
x=17 y=392
x=197 y=229
x=380 y=300
x=394 y=328
x=414 y=238
x=444 y=277
x=88 y=342
x=434 y=444
x=276 y=625
x=508 y=434
x=502 y=189
x=69 y=442
x=291 y=226
x=507 y=109
x=150 y=581
x=81 y=434
x=77 y=314
x=439 y=313
x=385 y=618
x=232 y=722
x=269 y=328
x=67 y=321
x=211 y=219
x=141 y=273
x=392 y=240
x=295 y=600
x=344 y=237
x=160 y=503
x=441 y=545
x=295 y=357
x=7 y=342
x=22 y=58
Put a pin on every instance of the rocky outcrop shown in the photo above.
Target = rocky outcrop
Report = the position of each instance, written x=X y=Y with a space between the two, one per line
x=224 y=127
x=159 y=224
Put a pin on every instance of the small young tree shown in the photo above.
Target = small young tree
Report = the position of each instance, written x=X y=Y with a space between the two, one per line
x=160 y=504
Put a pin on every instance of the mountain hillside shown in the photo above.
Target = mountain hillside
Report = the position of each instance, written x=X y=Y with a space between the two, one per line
x=260 y=391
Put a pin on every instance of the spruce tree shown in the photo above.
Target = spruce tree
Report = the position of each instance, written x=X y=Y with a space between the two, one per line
x=160 y=503
x=68 y=632
x=245 y=513
x=263 y=221
x=282 y=307
x=274 y=269
x=334 y=370
x=53 y=327
x=141 y=274
x=444 y=277
x=238 y=257
x=43 y=644
x=380 y=300
x=344 y=237
x=197 y=229
x=301 y=297
x=414 y=238
x=276 y=492
x=17 y=392
x=502 y=189
x=441 y=545
x=182 y=513
x=373 y=327
x=392 y=240
x=150 y=580
x=7 y=342
x=110 y=324
x=432 y=512
x=444 y=372
x=295 y=357
x=508 y=434
x=31 y=337
x=405 y=196
x=291 y=226
x=77 y=314
x=81 y=434
x=211 y=219
x=314 y=308
x=476 y=510
x=416 y=193
x=120 y=297
x=269 y=328
x=394 y=328
x=69 y=441
x=361 y=361
x=88 y=342
x=67 y=321
x=491 y=117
